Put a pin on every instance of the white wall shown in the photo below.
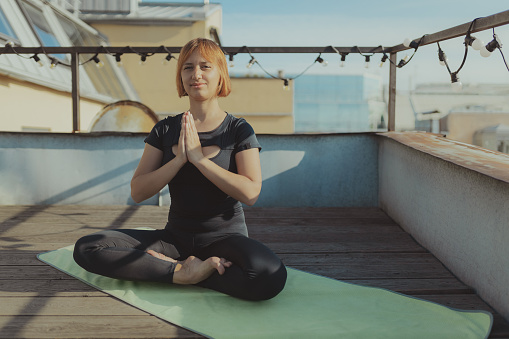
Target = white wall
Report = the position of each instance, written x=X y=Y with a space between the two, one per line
x=458 y=214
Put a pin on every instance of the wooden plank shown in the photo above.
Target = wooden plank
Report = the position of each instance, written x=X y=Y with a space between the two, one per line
x=353 y=243
x=369 y=265
x=58 y=306
x=90 y=327
x=47 y=288
x=314 y=212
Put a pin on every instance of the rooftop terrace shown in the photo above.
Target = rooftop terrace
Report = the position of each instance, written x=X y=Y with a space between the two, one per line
x=357 y=245
x=412 y=212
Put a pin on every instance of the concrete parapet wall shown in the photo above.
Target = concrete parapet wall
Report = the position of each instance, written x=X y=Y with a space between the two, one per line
x=454 y=199
x=96 y=169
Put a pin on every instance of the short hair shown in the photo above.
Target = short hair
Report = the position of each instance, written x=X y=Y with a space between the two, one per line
x=212 y=53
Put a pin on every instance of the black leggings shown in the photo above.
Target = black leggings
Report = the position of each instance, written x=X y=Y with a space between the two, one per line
x=256 y=273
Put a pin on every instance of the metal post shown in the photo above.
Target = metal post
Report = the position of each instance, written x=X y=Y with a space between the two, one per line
x=75 y=64
x=391 y=109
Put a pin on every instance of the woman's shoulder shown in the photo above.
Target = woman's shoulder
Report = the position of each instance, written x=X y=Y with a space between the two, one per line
x=237 y=123
x=167 y=124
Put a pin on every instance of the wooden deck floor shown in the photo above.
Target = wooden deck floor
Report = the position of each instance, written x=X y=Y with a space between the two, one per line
x=358 y=245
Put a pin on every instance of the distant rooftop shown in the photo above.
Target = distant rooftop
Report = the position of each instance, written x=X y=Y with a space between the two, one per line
x=141 y=12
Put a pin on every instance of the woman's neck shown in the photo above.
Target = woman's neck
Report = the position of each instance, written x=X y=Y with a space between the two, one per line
x=207 y=114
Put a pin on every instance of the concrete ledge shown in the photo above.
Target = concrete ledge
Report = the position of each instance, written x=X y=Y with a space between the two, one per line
x=314 y=170
x=490 y=163
x=454 y=199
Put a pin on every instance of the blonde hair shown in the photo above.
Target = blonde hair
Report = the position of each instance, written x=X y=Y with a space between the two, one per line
x=212 y=53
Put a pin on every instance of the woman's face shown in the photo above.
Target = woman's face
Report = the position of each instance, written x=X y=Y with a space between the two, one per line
x=200 y=77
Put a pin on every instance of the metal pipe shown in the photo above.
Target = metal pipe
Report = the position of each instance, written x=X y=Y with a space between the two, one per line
x=75 y=73
x=391 y=107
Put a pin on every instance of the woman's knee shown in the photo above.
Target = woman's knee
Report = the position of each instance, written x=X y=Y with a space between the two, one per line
x=268 y=284
x=84 y=247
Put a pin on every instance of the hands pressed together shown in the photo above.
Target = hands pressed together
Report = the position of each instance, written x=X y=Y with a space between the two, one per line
x=189 y=146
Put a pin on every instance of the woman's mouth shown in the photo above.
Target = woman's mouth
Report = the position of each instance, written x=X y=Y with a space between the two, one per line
x=197 y=85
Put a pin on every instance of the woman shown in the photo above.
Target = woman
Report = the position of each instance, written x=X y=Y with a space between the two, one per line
x=210 y=160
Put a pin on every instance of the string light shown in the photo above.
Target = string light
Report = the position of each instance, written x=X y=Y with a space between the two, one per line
x=384 y=59
x=143 y=58
x=54 y=63
x=168 y=58
x=455 y=82
x=286 y=84
x=343 y=59
x=321 y=61
x=442 y=58
x=97 y=61
x=476 y=43
x=232 y=63
x=366 y=61
x=37 y=59
x=491 y=46
x=118 y=59
x=251 y=62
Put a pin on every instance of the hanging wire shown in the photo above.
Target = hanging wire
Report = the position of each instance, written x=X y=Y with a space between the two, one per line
x=285 y=80
x=499 y=47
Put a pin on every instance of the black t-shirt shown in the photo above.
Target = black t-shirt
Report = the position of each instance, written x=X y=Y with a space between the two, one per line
x=192 y=194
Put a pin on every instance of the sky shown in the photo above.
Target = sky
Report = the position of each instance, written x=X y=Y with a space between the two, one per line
x=363 y=23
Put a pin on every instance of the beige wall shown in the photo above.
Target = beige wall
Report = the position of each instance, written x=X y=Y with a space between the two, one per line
x=29 y=106
x=262 y=101
x=462 y=126
x=154 y=82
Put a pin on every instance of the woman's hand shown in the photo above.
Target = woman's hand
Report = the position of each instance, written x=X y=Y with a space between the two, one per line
x=192 y=140
x=181 y=147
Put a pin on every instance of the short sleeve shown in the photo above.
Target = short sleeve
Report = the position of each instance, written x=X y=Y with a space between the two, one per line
x=155 y=137
x=245 y=137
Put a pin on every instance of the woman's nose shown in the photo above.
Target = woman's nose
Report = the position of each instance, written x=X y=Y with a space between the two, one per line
x=197 y=73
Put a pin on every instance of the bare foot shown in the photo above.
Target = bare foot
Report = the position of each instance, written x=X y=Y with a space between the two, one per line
x=194 y=270
x=161 y=256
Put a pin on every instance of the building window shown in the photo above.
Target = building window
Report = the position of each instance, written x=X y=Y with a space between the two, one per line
x=6 y=32
x=42 y=28
x=104 y=79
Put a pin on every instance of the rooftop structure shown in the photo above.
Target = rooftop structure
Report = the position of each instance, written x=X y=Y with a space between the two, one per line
x=427 y=215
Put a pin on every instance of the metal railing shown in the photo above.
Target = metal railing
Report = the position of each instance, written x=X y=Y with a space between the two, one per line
x=477 y=25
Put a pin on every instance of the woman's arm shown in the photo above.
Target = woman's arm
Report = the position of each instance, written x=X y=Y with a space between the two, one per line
x=244 y=186
x=150 y=177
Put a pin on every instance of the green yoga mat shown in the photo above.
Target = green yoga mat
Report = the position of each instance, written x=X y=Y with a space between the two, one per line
x=310 y=306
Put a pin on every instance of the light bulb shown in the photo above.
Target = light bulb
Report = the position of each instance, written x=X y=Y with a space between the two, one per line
x=167 y=59
x=232 y=64
x=53 y=64
x=286 y=85
x=38 y=60
x=484 y=52
x=97 y=61
x=321 y=61
x=491 y=46
x=384 y=59
x=366 y=63
x=343 y=59
x=456 y=84
x=477 y=44
x=251 y=62
x=407 y=42
x=118 y=59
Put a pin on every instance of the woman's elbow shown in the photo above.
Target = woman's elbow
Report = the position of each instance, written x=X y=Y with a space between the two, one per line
x=135 y=194
x=251 y=199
